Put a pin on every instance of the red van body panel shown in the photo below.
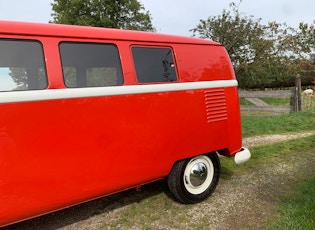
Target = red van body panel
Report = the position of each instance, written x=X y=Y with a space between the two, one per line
x=60 y=147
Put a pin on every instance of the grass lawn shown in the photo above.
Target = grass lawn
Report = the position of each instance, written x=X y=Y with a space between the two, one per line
x=297 y=208
x=285 y=123
x=297 y=211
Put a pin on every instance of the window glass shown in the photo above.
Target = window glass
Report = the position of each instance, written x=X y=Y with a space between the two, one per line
x=22 y=65
x=90 y=65
x=154 y=64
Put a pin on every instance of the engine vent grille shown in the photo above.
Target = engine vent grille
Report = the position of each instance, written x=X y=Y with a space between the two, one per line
x=216 y=108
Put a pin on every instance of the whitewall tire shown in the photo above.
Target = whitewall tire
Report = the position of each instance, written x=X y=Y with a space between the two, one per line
x=194 y=180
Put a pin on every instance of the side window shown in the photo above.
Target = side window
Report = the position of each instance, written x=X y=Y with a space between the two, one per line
x=154 y=64
x=90 y=65
x=22 y=65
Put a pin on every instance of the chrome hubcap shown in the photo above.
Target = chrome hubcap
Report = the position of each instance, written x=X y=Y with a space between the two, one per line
x=198 y=174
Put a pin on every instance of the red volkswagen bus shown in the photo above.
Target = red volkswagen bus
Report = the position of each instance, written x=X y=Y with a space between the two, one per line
x=87 y=112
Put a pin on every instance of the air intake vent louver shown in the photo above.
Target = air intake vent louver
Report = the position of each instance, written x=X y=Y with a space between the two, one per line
x=215 y=105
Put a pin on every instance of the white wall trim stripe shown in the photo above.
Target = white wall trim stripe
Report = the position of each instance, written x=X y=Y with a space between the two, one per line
x=54 y=94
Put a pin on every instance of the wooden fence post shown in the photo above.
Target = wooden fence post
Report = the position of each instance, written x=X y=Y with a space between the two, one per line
x=298 y=92
x=293 y=100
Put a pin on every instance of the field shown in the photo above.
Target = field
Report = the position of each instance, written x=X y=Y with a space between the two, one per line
x=274 y=190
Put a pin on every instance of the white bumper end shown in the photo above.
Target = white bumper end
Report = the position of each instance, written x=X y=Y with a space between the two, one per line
x=242 y=156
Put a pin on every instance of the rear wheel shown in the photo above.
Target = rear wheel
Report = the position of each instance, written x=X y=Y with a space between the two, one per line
x=193 y=180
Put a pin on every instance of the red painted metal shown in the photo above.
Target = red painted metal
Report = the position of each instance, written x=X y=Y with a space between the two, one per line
x=58 y=153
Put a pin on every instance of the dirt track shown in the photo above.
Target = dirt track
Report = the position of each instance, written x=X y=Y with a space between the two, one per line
x=244 y=201
x=269 y=139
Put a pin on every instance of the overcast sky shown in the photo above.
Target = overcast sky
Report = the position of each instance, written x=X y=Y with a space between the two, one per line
x=179 y=16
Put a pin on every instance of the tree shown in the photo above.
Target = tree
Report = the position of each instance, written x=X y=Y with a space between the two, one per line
x=121 y=14
x=262 y=55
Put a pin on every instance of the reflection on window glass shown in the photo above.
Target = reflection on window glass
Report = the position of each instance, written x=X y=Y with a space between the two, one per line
x=105 y=76
x=154 y=64
x=70 y=76
x=22 y=65
x=90 y=65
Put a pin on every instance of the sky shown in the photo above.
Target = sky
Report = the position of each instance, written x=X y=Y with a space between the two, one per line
x=179 y=16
